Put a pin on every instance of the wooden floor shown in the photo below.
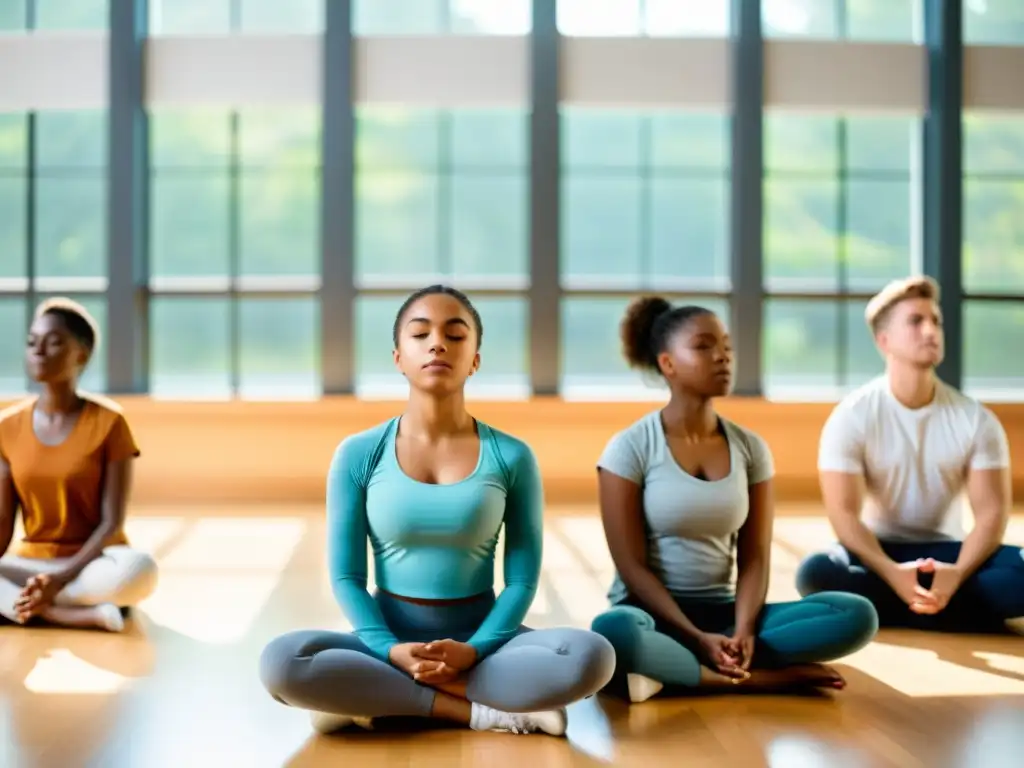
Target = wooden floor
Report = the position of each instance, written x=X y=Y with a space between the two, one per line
x=180 y=687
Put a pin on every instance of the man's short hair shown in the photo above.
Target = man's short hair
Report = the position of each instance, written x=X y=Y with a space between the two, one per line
x=881 y=305
x=76 y=318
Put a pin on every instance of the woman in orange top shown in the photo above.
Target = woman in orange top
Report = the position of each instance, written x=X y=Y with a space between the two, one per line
x=65 y=461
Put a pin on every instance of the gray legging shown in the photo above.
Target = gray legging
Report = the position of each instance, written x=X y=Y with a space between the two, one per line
x=334 y=672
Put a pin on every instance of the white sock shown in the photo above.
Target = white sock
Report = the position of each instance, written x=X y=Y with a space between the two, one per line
x=642 y=688
x=110 y=617
x=483 y=718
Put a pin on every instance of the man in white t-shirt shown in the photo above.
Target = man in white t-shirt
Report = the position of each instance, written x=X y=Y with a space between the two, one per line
x=902 y=462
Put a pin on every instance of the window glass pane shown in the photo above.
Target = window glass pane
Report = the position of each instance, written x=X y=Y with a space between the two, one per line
x=397 y=226
x=688 y=232
x=189 y=17
x=645 y=200
x=72 y=14
x=190 y=139
x=601 y=231
x=593 y=367
x=190 y=225
x=690 y=140
x=431 y=17
x=13 y=317
x=440 y=194
x=279 y=227
x=488 y=140
x=686 y=18
x=13 y=16
x=881 y=144
x=801 y=349
x=863 y=360
x=13 y=199
x=504 y=355
x=600 y=18
x=993 y=365
x=71 y=140
x=993 y=22
x=993 y=144
x=838 y=201
x=801 y=18
x=600 y=140
x=13 y=141
x=487 y=222
x=278 y=138
x=884 y=20
x=95 y=377
x=803 y=143
x=866 y=20
x=993 y=236
x=278 y=17
x=190 y=350
x=490 y=17
x=800 y=238
x=279 y=353
x=878 y=221
x=70 y=226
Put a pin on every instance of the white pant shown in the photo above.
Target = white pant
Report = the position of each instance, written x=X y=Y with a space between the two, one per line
x=120 y=575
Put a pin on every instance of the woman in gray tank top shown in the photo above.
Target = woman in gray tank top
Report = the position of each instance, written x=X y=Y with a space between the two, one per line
x=686 y=502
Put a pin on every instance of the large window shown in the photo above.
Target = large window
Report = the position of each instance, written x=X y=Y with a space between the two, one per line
x=440 y=196
x=839 y=222
x=993 y=255
x=234 y=253
x=52 y=225
x=438 y=17
x=54 y=15
x=864 y=20
x=993 y=22
x=650 y=18
x=199 y=17
x=645 y=207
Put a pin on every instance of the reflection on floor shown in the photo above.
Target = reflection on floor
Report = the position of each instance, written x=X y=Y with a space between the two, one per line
x=180 y=687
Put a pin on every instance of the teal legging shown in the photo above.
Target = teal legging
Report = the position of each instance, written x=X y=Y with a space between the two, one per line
x=819 y=628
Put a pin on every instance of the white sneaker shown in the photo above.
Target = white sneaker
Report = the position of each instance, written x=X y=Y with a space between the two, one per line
x=552 y=722
x=1015 y=625
x=642 y=688
x=325 y=722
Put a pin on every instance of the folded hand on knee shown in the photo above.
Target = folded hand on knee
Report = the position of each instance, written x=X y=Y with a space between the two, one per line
x=435 y=663
x=38 y=593
x=945 y=583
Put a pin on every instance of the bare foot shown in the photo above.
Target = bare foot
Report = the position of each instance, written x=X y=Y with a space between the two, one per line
x=796 y=677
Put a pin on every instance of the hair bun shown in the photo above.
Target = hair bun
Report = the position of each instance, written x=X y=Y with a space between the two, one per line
x=637 y=330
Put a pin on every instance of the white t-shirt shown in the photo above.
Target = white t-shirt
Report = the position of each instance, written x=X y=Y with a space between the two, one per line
x=914 y=461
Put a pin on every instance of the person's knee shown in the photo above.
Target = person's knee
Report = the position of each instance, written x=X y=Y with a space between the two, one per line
x=277 y=664
x=860 y=618
x=817 y=573
x=137 y=578
x=593 y=658
x=622 y=628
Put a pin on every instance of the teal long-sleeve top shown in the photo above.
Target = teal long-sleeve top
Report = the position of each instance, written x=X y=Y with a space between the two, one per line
x=431 y=541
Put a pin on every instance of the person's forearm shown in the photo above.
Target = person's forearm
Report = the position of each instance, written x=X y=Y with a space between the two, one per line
x=751 y=591
x=980 y=543
x=644 y=585
x=861 y=541
x=89 y=551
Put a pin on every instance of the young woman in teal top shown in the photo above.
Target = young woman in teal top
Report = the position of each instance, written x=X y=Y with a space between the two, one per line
x=430 y=490
x=686 y=500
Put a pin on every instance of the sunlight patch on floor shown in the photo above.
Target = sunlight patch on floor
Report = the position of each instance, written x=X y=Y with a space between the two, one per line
x=215 y=582
x=60 y=671
x=921 y=673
